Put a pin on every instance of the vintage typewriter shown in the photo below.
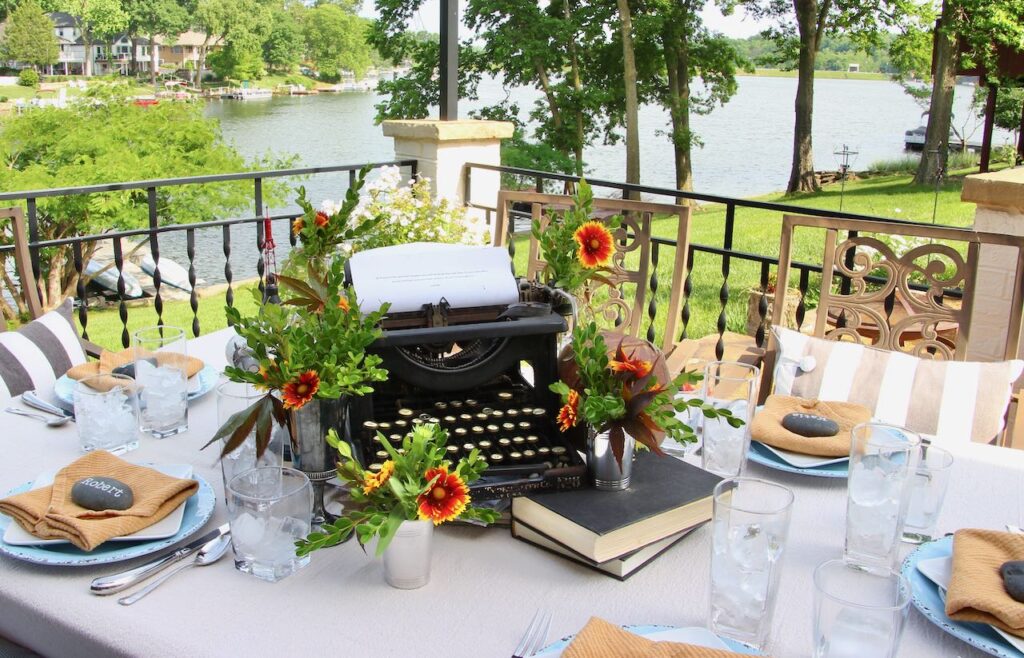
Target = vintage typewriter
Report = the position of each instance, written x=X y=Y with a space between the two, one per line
x=482 y=374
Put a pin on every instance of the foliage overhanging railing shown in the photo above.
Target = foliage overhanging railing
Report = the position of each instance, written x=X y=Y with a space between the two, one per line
x=542 y=181
x=155 y=229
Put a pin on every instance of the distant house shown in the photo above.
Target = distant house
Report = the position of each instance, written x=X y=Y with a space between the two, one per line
x=181 y=51
x=112 y=57
x=853 y=68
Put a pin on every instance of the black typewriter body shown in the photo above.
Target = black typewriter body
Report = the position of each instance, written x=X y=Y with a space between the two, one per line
x=468 y=378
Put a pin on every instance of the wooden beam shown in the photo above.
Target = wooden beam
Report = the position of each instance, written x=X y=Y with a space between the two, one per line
x=449 y=62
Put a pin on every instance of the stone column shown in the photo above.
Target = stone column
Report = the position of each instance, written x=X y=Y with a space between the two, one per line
x=442 y=148
x=1000 y=199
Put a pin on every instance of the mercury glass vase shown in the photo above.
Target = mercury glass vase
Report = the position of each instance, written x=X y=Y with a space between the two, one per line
x=605 y=470
x=407 y=558
x=310 y=452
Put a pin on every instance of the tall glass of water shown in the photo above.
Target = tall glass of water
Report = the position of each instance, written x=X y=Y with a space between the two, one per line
x=161 y=373
x=732 y=386
x=883 y=461
x=858 y=613
x=236 y=397
x=107 y=413
x=692 y=415
x=927 y=492
x=750 y=526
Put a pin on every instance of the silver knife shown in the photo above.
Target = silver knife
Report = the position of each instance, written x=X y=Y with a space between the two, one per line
x=119 y=581
x=33 y=400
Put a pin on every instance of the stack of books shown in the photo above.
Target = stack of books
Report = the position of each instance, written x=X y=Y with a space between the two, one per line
x=619 y=532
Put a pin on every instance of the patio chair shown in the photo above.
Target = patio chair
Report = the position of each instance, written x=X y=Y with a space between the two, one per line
x=902 y=288
x=626 y=304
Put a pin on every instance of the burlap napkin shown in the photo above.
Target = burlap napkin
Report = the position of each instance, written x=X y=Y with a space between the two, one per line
x=767 y=426
x=48 y=512
x=976 y=591
x=599 y=639
x=110 y=360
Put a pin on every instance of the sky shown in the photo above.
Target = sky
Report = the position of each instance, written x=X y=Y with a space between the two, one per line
x=737 y=25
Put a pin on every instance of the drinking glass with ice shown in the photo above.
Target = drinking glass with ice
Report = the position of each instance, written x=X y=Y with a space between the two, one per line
x=732 y=386
x=107 y=413
x=160 y=357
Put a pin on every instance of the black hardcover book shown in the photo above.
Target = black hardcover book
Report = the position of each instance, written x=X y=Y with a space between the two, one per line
x=666 y=495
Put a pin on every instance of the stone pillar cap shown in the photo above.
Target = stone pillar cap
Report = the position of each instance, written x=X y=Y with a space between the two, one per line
x=447 y=131
x=1001 y=189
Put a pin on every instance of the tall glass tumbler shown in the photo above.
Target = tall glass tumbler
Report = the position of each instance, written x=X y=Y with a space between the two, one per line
x=927 y=493
x=107 y=413
x=235 y=397
x=268 y=509
x=883 y=463
x=750 y=526
x=858 y=613
x=732 y=386
x=692 y=415
x=160 y=370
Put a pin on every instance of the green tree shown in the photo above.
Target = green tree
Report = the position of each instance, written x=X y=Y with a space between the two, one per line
x=239 y=27
x=97 y=20
x=156 y=17
x=114 y=140
x=28 y=36
x=283 y=48
x=336 y=41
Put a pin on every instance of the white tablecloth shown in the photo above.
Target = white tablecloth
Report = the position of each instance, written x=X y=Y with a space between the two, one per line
x=484 y=590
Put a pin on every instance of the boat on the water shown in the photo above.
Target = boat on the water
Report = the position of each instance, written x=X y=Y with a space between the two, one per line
x=248 y=94
x=913 y=140
x=104 y=274
x=171 y=273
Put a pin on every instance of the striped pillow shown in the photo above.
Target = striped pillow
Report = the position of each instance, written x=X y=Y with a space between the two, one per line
x=34 y=356
x=954 y=401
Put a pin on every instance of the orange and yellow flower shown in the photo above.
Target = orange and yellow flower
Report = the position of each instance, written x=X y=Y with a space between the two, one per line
x=321 y=219
x=446 y=499
x=622 y=363
x=343 y=303
x=375 y=481
x=300 y=390
x=568 y=415
x=297 y=226
x=596 y=245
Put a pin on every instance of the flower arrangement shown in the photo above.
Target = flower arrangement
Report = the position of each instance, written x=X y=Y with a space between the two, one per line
x=623 y=395
x=575 y=247
x=314 y=345
x=417 y=482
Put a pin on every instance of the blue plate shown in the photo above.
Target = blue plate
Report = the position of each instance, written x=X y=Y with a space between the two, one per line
x=760 y=455
x=737 y=647
x=926 y=599
x=198 y=510
x=64 y=388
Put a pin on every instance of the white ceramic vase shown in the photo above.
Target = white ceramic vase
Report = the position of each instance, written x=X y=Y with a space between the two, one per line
x=407 y=558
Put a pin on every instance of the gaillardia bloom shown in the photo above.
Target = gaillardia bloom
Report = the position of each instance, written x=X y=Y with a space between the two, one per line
x=375 y=481
x=300 y=390
x=622 y=363
x=568 y=415
x=297 y=226
x=321 y=219
x=445 y=500
x=595 y=241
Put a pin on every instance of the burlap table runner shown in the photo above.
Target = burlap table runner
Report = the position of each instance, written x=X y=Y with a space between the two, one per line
x=599 y=639
x=110 y=360
x=976 y=591
x=767 y=426
x=48 y=512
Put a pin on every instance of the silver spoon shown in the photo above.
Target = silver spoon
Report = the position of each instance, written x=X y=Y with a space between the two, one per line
x=50 y=422
x=210 y=552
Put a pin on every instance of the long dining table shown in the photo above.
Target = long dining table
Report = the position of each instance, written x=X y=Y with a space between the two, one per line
x=485 y=585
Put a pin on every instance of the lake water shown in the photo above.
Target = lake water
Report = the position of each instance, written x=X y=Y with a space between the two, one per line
x=746 y=152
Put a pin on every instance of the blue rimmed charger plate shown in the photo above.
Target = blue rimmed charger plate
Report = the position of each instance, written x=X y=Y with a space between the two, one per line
x=64 y=387
x=761 y=455
x=737 y=647
x=928 y=602
x=198 y=510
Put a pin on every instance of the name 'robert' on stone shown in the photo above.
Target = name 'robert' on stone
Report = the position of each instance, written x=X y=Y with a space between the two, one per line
x=102 y=493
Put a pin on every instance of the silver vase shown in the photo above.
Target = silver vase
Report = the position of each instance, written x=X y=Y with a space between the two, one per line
x=310 y=452
x=407 y=558
x=605 y=471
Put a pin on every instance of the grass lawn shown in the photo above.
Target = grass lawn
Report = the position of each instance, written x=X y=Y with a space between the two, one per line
x=756 y=231
x=821 y=75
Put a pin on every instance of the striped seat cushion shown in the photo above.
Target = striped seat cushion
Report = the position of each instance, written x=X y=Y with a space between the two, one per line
x=34 y=356
x=954 y=401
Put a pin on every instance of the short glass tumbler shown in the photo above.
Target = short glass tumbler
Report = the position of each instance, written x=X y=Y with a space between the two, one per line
x=732 y=386
x=883 y=461
x=268 y=509
x=927 y=492
x=858 y=613
x=233 y=397
x=160 y=371
x=750 y=526
x=107 y=413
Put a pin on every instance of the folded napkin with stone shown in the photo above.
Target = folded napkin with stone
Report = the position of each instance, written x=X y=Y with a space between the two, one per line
x=808 y=427
x=599 y=639
x=108 y=361
x=977 y=590
x=124 y=498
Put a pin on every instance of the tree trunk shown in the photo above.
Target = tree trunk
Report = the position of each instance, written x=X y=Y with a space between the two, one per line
x=677 y=66
x=632 y=104
x=577 y=85
x=134 y=61
x=935 y=151
x=801 y=176
x=87 y=61
x=152 y=61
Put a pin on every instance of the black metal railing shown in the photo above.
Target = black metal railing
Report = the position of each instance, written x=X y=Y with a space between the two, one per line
x=158 y=227
x=542 y=182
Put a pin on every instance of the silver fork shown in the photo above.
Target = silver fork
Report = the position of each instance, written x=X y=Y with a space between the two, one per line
x=535 y=637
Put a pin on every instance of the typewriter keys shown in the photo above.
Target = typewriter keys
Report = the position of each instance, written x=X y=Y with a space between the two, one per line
x=497 y=458
x=455 y=404
x=515 y=456
x=504 y=443
x=477 y=430
x=493 y=429
x=524 y=425
x=452 y=450
x=543 y=451
x=384 y=426
x=441 y=406
x=416 y=422
x=481 y=416
x=512 y=413
x=370 y=426
x=396 y=438
x=529 y=454
x=470 y=402
x=465 y=418
x=401 y=424
x=539 y=411
x=485 y=444
x=527 y=410
x=461 y=432
x=558 y=451
x=376 y=438
x=468 y=447
x=533 y=439
x=375 y=467
x=518 y=440
x=449 y=420
x=504 y=396
x=382 y=454
x=405 y=412
x=498 y=414
x=508 y=427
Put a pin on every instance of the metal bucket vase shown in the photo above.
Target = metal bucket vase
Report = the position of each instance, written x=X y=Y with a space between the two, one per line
x=604 y=469
x=310 y=452
x=407 y=558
